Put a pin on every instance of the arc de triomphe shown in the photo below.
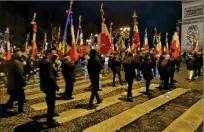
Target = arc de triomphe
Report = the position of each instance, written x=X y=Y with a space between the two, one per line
x=192 y=23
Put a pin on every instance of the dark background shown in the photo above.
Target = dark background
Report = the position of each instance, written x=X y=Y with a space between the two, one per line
x=162 y=15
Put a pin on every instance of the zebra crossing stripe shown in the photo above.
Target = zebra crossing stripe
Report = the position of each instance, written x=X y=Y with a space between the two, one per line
x=27 y=90
x=134 y=113
x=41 y=94
x=86 y=95
x=189 y=121
x=76 y=113
x=37 y=81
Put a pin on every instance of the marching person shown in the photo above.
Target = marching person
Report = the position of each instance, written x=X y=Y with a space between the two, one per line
x=116 y=67
x=137 y=62
x=197 y=66
x=16 y=81
x=49 y=86
x=55 y=65
x=154 y=61
x=147 y=71
x=164 y=72
x=68 y=71
x=161 y=71
x=129 y=69
x=171 y=69
x=190 y=63
x=94 y=68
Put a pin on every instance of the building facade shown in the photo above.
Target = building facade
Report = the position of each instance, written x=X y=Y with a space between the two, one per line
x=192 y=23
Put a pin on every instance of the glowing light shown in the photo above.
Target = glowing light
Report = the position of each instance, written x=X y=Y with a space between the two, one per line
x=67 y=11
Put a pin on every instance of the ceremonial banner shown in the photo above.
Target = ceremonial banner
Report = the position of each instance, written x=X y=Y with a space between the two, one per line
x=175 y=45
x=81 y=47
x=136 y=35
x=166 y=47
x=159 y=46
x=7 y=37
x=33 y=42
x=104 y=44
x=73 y=52
x=155 y=40
x=146 y=45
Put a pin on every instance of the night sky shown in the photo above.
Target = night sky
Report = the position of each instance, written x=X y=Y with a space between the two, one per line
x=162 y=15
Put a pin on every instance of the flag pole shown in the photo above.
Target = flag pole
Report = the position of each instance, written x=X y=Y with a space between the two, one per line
x=64 y=43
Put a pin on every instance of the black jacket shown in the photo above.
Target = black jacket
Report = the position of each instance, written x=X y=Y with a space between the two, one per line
x=116 y=64
x=16 y=79
x=171 y=66
x=190 y=63
x=94 y=67
x=129 y=70
x=147 y=69
x=68 y=70
x=47 y=78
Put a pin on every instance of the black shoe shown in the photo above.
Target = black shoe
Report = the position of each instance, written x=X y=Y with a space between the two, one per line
x=20 y=111
x=113 y=85
x=70 y=98
x=55 y=114
x=99 y=89
x=90 y=107
x=99 y=102
x=147 y=93
x=129 y=99
x=52 y=124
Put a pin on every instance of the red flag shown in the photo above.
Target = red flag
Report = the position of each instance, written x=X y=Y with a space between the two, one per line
x=33 y=42
x=135 y=38
x=34 y=49
x=8 y=55
x=104 y=40
x=136 y=35
x=73 y=52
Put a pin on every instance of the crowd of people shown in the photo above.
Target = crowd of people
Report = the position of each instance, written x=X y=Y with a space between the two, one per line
x=136 y=66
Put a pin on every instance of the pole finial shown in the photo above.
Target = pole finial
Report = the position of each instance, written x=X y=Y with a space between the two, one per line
x=134 y=14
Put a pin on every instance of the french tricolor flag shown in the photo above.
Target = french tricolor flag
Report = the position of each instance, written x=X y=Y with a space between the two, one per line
x=146 y=45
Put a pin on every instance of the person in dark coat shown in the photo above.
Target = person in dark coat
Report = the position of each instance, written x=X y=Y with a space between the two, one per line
x=137 y=62
x=164 y=72
x=190 y=63
x=160 y=70
x=197 y=66
x=171 y=69
x=129 y=69
x=94 y=68
x=3 y=71
x=153 y=59
x=54 y=60
x=49 y=86
x=116 y=67
x=16 y=81
x=68 y=71
x=147 y=71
